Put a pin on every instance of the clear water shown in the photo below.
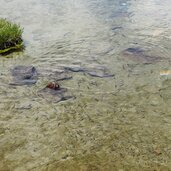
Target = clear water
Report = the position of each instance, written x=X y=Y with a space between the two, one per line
x=121 y=123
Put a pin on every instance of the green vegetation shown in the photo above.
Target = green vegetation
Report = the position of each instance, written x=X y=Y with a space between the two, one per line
x=10 y=36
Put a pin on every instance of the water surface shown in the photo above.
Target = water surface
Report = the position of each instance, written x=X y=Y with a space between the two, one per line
x=118 y=123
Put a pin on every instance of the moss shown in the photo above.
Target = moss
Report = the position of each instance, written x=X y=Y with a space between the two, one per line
x=10 y=36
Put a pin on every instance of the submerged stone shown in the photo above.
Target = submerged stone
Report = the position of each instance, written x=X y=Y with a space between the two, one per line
x=58 y=75
x=137 y=54
x=55 y=95
x=99 y=71
x=117 y=28
x=24 y=75
x=93 y=70
x=134 y=50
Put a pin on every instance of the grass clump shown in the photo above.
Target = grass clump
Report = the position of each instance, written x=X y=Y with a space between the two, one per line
x=10 y=36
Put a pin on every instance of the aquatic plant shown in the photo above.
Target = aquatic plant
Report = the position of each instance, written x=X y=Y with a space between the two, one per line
x=10 y=36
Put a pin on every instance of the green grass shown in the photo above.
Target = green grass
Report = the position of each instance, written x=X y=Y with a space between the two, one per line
x=10 y=36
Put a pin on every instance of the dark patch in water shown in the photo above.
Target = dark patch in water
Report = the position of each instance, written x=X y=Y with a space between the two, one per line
x=24 y=75
x=75 y=68
x=137 y=54
x=55 y=95
x=58 y=75
x=116 y=28
x=99 y=71
x=94 y=71
x=23 y=82
x=134 y=50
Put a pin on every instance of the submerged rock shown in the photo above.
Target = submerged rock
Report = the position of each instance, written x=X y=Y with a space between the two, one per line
x=93 y=70
x=99 y=71
x=117 y=28
x=138 y=55
x=100 y=74
x=134 y=50
x=24 y=75
x=58 y=75
x=55 y=95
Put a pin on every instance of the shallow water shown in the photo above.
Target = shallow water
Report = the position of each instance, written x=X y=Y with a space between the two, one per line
x=118 y=123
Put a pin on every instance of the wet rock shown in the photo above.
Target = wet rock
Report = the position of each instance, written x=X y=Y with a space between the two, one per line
x=54 y=95
x=24 y=72
x=137 y=54
x=24 y=75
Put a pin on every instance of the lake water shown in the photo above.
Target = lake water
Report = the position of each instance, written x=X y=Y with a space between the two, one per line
x=120 y=123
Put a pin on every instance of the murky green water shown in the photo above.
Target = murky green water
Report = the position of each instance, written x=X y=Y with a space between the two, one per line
x=121 y=123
